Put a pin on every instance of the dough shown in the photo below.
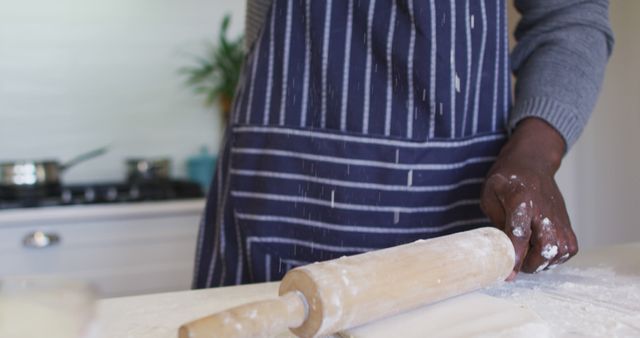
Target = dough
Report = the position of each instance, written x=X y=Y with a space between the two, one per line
x=471 y=315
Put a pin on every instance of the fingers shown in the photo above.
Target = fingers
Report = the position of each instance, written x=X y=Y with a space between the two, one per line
x=529 y=208
x=507 y=209
x=553 y=243
x=518 y=229
x=550 y=245
x=570 y=244
x=546 y=246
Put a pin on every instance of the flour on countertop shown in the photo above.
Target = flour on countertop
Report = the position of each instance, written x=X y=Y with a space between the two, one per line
x=579 y=302
x=530 y=330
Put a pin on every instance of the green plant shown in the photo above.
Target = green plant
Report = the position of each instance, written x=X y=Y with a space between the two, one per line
x=216 y=74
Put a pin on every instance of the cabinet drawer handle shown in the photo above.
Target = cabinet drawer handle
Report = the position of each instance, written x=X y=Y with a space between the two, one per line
x=39 y=240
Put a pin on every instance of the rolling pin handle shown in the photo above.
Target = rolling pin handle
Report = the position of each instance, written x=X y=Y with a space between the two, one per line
x=266 y=318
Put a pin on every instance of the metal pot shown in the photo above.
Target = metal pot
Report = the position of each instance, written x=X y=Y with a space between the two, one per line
x=28 y=173
x=148 y=169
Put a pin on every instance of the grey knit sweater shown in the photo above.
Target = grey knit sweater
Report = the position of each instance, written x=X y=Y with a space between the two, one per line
x=559 y=60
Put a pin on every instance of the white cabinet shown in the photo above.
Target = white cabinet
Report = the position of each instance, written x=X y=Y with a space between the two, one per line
x=123 y=249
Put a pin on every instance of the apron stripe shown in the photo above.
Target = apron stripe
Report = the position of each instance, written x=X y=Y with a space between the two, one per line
x=506 y=67
x=357 y=229
x=308 y=244
x=496 y=67
x=213 y=196
x=358 y=162
x=217 y=229
x=308 y=219
x=411 y=114
x=254 y=68
x=392 y=26
x=267 y=267
x=294 y=262
x=432 y=74
x=353 y=184
x=199 y=249
x=347 y=206
x=285 y=66
x=219 y=184
x=241 y=258
x=450 y=192
x=467 y=20
x=290 y=132
x=237 y=104
x=367 y=79
x=223 y=217
x=307 y=62
x=345 y=67
x=325 y=62
x=480 y=66
x=454 y=75
x=426 y=188
x=268 y=94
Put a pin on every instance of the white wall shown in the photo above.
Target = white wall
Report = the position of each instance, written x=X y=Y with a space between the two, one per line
x=605 y=164
x=78 y=74
x=600 y=176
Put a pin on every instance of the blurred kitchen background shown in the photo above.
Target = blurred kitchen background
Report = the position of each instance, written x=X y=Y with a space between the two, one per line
x=78 y=75
x=82 y=74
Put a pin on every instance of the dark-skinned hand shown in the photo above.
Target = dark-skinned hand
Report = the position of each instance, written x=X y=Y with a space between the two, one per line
x=521 y=197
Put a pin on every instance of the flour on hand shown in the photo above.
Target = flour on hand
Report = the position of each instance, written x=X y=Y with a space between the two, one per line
x=549 y=251
x=519 y=220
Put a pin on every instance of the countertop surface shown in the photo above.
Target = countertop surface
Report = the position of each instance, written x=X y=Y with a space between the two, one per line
x=578 y=284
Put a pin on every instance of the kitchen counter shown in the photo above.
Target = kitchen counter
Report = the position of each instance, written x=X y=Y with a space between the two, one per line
x=160 y=315
x=122 y=248
x=73 y=213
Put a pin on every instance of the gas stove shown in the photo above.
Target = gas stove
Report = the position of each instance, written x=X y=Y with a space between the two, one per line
x=98 y=193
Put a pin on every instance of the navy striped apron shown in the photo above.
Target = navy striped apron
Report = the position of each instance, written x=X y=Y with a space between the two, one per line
x=358 y=125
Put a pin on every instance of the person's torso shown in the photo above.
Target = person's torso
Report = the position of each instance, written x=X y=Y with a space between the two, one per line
x=361 y=125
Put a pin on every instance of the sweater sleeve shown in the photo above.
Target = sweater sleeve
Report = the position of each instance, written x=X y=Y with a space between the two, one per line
x=559 y=61
x=255 y=17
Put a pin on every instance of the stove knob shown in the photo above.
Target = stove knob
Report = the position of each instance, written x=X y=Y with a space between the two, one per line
x=134 y=192
x=89 y=194
x=112 y=194
x=66 y=196
x=39 y=240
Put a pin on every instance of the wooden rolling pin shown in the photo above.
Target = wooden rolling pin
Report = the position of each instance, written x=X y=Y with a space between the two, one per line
x=324 y=298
